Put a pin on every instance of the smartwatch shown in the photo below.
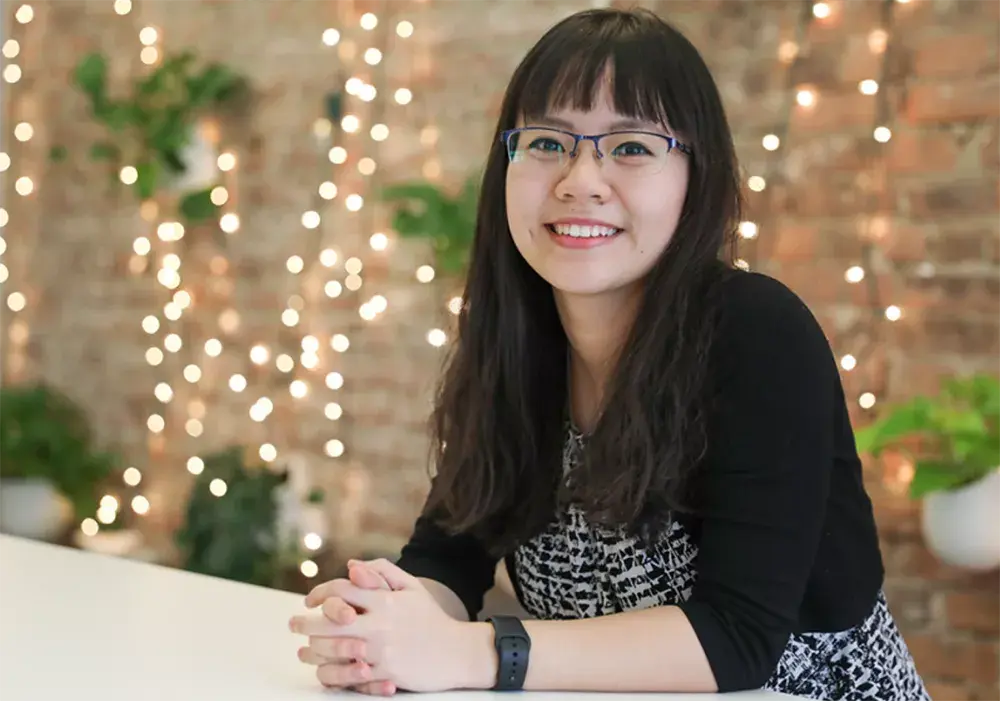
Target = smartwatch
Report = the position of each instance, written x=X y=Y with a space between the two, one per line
x=512 y=645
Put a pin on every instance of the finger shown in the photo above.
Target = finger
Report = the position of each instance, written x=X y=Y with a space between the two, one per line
x=320 y=593
x=395 y=576
x=379 y=688
x=341 y=675
x=339 y=611
x=339 y=649
x=320 y=625
x=361 y=599
x=309 y=656
x=366 y=578
x=351 y=593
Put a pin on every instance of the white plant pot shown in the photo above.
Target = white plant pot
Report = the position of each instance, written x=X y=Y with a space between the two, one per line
x=962 y=527
x=200 y=157
x=32 y=508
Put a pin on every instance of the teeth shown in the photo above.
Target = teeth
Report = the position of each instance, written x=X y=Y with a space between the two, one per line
x=584 y=232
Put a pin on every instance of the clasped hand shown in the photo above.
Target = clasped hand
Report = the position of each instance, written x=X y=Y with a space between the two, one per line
x=379 y=631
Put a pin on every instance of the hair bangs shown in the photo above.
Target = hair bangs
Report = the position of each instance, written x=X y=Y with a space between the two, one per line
x=575 y=68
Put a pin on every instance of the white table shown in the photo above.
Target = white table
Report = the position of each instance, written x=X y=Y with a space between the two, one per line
x=77 y=626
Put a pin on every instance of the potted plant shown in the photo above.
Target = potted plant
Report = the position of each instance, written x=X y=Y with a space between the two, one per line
x=156 y=128
x=957 y=466
x=424 y=210
x=234 y=532
x=50 y=470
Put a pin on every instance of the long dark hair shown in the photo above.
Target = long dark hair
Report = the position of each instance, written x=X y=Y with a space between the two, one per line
x=500 y=417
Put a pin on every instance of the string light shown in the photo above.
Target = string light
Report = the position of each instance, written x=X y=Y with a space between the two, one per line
x=806 y=99
x=874 y=225
x=22 y=158
x=343 y=137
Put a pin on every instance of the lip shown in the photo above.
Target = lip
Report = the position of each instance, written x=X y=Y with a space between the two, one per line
x=581 y=243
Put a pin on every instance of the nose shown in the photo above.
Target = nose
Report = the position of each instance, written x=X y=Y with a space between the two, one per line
x=582 y=177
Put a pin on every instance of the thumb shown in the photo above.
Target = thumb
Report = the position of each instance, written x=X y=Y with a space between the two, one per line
x=393 y=575
x=365 y=577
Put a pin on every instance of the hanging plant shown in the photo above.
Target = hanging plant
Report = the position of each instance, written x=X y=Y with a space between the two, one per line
x=424 y=210
x=238 y=536
x=154 y=127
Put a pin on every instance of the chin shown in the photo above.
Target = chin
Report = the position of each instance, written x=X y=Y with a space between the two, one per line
x=578 y=282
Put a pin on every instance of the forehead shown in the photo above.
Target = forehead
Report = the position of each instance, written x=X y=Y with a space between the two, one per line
x=602 y=117
x=595 y=115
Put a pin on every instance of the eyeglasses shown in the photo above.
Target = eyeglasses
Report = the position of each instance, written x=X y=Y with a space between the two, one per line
x=547 y=150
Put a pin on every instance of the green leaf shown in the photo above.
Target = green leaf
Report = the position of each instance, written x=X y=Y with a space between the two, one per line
x=91 y=77
x=197 y=207
x=58 y=153
x=116 y=116
x=905 y=420
x=423 y=210
x=215 y=84
x=316 y=496
x=148 y=176
x=105 y=151
x=933 y=476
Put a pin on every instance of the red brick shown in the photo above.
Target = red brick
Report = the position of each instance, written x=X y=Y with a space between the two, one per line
x=897 y=518
x=915 y=560
x=992 y=694
x=977 y=611
x=954 y=101
x=991 y=150
x=957 y=246
x=792 y=243
x=904 y=243
x=835 y=111
x=956 y=660
x=948 y=691
x=954 y=54
x=804 y=199
x=954 y=197
x=910 y=605
x=858 y=62
x=911 y=151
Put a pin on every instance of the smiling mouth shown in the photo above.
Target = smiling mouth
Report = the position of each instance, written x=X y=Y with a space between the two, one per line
x=583 y=231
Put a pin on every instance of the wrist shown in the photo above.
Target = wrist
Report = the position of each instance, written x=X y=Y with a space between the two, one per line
x=478 y=661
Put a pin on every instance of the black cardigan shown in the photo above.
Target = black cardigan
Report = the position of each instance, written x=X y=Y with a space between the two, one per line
x=786 y=535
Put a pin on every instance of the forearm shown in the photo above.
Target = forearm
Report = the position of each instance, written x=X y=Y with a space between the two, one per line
x=654 y=650
x=446 y=599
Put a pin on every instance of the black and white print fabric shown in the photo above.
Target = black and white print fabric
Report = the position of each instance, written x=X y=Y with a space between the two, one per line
x=576 y=570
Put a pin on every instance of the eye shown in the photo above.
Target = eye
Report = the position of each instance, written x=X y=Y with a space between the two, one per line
x=632 y=148
x=546 y=145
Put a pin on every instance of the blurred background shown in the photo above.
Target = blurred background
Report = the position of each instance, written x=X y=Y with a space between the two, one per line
x=234 y=234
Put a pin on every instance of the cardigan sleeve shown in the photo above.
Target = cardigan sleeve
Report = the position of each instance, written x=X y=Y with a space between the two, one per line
x=765 y=480
x=459 y=562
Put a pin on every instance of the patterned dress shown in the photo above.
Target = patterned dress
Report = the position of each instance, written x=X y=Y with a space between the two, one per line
x=575 y=570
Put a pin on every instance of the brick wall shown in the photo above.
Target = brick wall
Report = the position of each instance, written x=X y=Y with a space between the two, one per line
x=918 y=213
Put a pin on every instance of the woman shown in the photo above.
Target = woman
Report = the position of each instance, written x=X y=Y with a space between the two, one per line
x=656 y=444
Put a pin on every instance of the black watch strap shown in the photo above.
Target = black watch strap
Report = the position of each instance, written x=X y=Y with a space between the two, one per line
x=512 y=645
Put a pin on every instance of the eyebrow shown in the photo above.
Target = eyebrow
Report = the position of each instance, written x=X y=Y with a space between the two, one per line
x=617 y=125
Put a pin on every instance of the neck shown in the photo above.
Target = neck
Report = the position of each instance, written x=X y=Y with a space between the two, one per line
x=596 y=327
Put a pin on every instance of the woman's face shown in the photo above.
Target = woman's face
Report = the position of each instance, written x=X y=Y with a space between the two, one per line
x=591 y=225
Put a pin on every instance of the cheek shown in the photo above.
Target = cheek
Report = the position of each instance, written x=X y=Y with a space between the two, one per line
x=655 y=208
x=524 y=204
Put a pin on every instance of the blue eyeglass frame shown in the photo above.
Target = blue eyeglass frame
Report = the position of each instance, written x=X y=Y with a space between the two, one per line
x=594 y=138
